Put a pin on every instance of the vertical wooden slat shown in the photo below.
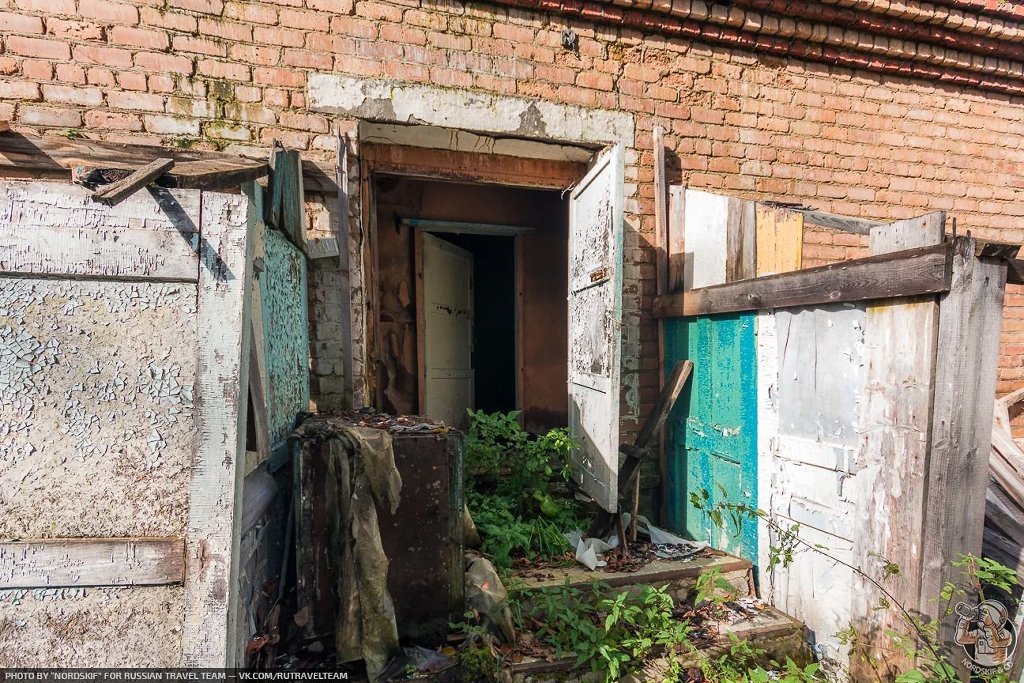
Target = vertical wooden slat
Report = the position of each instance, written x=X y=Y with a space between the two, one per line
x=209 y=636
x=344 y=271
x=780 y=236
x=970 y=316
x=676 y=250
x=900 y=339
x=740 y=241
x=661 y=275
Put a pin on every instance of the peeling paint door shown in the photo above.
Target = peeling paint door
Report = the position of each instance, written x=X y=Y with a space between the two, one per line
x=447 y=312
x=712 y=437
x=595 y=320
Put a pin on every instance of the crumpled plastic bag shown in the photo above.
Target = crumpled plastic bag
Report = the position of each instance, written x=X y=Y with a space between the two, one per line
x=590 y=550
x=486 y=594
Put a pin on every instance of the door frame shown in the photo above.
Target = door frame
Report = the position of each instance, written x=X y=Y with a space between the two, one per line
x=382 y=159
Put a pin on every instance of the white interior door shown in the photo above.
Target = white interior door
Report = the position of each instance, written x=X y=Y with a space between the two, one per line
x=595 y=322
x=447 y=331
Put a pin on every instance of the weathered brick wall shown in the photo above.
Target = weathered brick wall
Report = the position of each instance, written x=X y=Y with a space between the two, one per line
x=231 y=75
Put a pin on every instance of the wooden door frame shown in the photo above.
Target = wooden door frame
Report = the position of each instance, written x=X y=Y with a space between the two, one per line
x=445 y=166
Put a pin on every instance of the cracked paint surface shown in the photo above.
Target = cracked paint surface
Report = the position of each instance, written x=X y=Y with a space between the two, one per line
x=96 y=407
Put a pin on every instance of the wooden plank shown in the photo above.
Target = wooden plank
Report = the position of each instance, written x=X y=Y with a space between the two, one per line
x=705 y=220
x=892 y=458
x=740 y=241
x=859 y=226
x=660 y=209
x=904 y=273
x=1015 y=271
x=285 y=208
x=80 y=562
x=115 y=193
x=322 y=247
x=51 y=229
x=53 y=156
x=970 y=317
x=676 y=238
x=780 y=237
x=209 y=636
x=344 y=271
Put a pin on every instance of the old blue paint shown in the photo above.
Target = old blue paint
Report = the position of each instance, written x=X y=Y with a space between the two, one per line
x=711 y=435
x=286 y=336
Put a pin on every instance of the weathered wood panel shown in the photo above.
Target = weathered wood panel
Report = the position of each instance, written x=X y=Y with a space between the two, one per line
x=212 y=540
x=959 y=444
x=892 y=458
x=96 y=407
x=60 y=563
x=906 y=273
x=91 y=627
x=741 y=240
x=676 y=238
x=57 y=229
x=780 y=237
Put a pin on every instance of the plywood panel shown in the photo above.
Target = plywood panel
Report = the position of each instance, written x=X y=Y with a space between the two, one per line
x=96 y=407
x=780 y=236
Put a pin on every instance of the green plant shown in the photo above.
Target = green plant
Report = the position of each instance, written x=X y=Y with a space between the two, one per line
x=712 y=587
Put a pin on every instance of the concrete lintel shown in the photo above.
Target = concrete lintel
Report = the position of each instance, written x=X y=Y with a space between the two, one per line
x=388 y=101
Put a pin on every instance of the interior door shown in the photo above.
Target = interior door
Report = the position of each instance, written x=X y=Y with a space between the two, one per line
x=595 y=322
x=447 y=379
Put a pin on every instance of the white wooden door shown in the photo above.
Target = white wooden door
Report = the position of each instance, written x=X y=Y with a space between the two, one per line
x=595 y=321
x=447 y=331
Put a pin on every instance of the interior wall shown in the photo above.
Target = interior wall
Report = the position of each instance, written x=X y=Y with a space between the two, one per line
x=542 y=277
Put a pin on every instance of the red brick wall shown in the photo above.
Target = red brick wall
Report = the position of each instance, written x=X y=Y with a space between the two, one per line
x=231 y=75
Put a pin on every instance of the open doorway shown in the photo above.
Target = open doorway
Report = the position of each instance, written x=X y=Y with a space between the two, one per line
x=472 y=285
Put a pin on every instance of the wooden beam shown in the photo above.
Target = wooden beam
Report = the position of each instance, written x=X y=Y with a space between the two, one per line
x=53 y=157
x=903 y=273
x=1015 y=271
x=344 y=274
x=285 y=210
x=209 y=635
x=464 y=228
x=660 y=211
x=115 y=193
x=859 y=226
x=966 y=364
x=80 y=562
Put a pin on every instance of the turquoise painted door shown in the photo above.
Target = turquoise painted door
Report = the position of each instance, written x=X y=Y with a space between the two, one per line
x=711 y=436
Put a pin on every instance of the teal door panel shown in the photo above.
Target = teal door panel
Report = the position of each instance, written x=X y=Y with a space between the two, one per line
x=711 y=435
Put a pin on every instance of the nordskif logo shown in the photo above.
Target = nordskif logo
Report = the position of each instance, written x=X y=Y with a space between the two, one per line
x=987 y=635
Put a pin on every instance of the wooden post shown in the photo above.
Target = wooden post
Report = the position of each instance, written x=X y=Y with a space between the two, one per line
x=661 y=276
x=344 y=251
x=210 y=633
x=970 y=316
x=900 y=339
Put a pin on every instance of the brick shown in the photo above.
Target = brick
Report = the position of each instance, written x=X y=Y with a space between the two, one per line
x=311 y=21
x=37 y=70
x=38 y=47
x=307 y=59
x=104 y=10
x=20 y=90
x=49 y=117
x=217 y=69
x=251 y=12
x=161 y=83
x=99 y=76
x=78 y=30
x=164 y=18
x=148 y=38
x=229 y=30
x=20 y=23
x=256 y=54
x=354 y=27
x=137 y=101
x=313 y=123
x=403 y=34
x=170 y=125
x=105 y=56
x=112 y=120
x=66 y=94
x=49 y=7
x=247 y=93
x=203 y=46
x=226 y=131
x=378 y=11
x=332 y=6
x=286 y=37
x=249 y=113
x=289 y=138
x=284 y=78
x=172 y=63
x=200 y=6
x=8 y=65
